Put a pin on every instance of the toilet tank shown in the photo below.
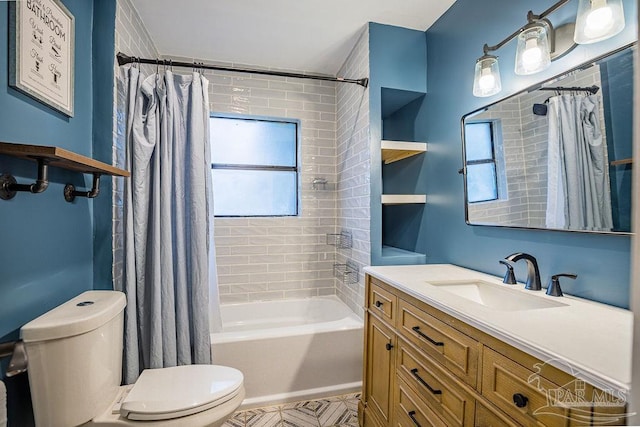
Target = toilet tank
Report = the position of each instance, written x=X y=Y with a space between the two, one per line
x=75 y=358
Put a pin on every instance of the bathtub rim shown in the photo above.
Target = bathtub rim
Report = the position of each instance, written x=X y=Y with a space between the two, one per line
x=348 y=322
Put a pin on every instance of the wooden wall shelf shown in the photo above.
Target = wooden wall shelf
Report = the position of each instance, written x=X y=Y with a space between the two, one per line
x=628 y=161
x=392 y=151
x=47 y=156
x=403 y=199
x=61 y=158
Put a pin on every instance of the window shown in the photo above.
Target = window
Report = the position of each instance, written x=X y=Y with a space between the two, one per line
x=482 y=182
x=254 y=166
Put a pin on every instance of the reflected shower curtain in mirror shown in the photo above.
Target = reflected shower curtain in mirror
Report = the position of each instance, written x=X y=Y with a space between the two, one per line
x=169 y=259
x=578 y=192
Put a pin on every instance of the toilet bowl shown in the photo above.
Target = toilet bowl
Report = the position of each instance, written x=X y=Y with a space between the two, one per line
x=75 y=370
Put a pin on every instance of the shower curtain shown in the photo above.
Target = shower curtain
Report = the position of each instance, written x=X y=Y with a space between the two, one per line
x=578 y=193
x=169 y=266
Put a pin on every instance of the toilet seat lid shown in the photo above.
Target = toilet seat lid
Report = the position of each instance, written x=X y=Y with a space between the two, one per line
x=166 y=393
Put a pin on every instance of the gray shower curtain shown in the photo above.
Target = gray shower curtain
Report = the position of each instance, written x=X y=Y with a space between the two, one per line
x=578 y=193
x=169 y=259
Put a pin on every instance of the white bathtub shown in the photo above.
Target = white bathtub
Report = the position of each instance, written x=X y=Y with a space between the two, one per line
x=291 y=350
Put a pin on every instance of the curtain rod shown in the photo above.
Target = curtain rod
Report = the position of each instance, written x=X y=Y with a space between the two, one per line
x=591 y=89
x=126 y=59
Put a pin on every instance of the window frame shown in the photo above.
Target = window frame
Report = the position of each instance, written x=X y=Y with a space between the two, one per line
x=268 y=168
x=497 y=159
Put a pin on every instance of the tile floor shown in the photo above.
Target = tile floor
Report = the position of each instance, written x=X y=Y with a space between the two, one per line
x=338 y=411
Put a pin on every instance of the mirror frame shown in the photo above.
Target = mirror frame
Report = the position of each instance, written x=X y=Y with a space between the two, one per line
x=463 y=170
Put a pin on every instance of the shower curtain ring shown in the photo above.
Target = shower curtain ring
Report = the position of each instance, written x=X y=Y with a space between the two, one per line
x=157 y=65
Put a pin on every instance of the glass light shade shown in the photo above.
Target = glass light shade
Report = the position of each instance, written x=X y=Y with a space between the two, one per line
x=533 y=54
x=486 y=80
x=598 y=20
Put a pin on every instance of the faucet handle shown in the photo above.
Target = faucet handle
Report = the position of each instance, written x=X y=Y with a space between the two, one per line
x=554 y=285
x=509 y=275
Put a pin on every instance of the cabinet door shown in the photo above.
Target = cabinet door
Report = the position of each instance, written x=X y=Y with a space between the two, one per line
x=380 y=368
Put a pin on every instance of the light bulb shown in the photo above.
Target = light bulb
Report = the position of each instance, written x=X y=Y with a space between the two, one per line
x=599 y=21
x=487 y=80
x=532 y=55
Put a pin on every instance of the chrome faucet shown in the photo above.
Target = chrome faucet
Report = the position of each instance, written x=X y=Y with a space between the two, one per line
x=533 y=274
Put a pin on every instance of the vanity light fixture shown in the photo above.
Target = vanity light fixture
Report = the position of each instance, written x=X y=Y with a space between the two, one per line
x=533 y=53
x=487 y=76
x=598 y=20
x=539 y=42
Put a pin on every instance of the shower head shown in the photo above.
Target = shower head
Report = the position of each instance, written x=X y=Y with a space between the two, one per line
x=540 y=109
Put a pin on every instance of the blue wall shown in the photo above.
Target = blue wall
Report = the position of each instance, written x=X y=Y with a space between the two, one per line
x=453 y=44
x=397 y=87
x=47 y=243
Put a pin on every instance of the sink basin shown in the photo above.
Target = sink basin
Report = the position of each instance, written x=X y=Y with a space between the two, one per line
x=497 y=297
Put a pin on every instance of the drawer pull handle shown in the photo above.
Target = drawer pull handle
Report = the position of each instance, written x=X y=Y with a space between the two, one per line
x=379 y=304
x=412 y=415
x=389 y=346
x=414 y=371
x=520 y=400
x=417 y=330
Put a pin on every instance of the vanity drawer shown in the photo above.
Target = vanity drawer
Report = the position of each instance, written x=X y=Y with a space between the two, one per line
x=382 y=302
x=410 y=411
x=504 y=381
x=453 y=349
x=439 y=390
x=489 y=417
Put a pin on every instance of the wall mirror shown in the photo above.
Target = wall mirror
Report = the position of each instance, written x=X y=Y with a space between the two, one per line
x=557 y=156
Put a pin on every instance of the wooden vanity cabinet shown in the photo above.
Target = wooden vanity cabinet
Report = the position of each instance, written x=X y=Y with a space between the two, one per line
x=380 y=358
x=424 y=368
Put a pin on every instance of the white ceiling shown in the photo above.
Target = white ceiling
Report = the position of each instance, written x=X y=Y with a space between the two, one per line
x=302 y=35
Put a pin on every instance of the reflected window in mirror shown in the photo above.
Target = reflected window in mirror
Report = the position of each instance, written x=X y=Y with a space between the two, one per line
x=566 y=152
x=481 y=160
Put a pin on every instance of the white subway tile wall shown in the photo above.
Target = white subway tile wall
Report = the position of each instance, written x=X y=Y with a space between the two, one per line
x=281 y=257
x=353 y=164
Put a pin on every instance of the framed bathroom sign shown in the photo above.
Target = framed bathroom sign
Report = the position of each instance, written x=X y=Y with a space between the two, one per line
x=41 y=52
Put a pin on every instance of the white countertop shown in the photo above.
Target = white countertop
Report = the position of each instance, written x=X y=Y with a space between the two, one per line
x=589 y=340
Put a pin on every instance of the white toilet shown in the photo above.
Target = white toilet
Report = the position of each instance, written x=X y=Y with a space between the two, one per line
x=75 y=370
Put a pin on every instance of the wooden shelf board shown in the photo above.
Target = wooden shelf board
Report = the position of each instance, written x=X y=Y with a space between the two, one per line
x=402 y=199
x=621 y=162
x=392 y=151
x=61 y=158
x=395 y=256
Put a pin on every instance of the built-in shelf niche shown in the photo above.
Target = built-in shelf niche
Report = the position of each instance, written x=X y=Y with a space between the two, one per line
x=403 y=197
x=46 y=156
